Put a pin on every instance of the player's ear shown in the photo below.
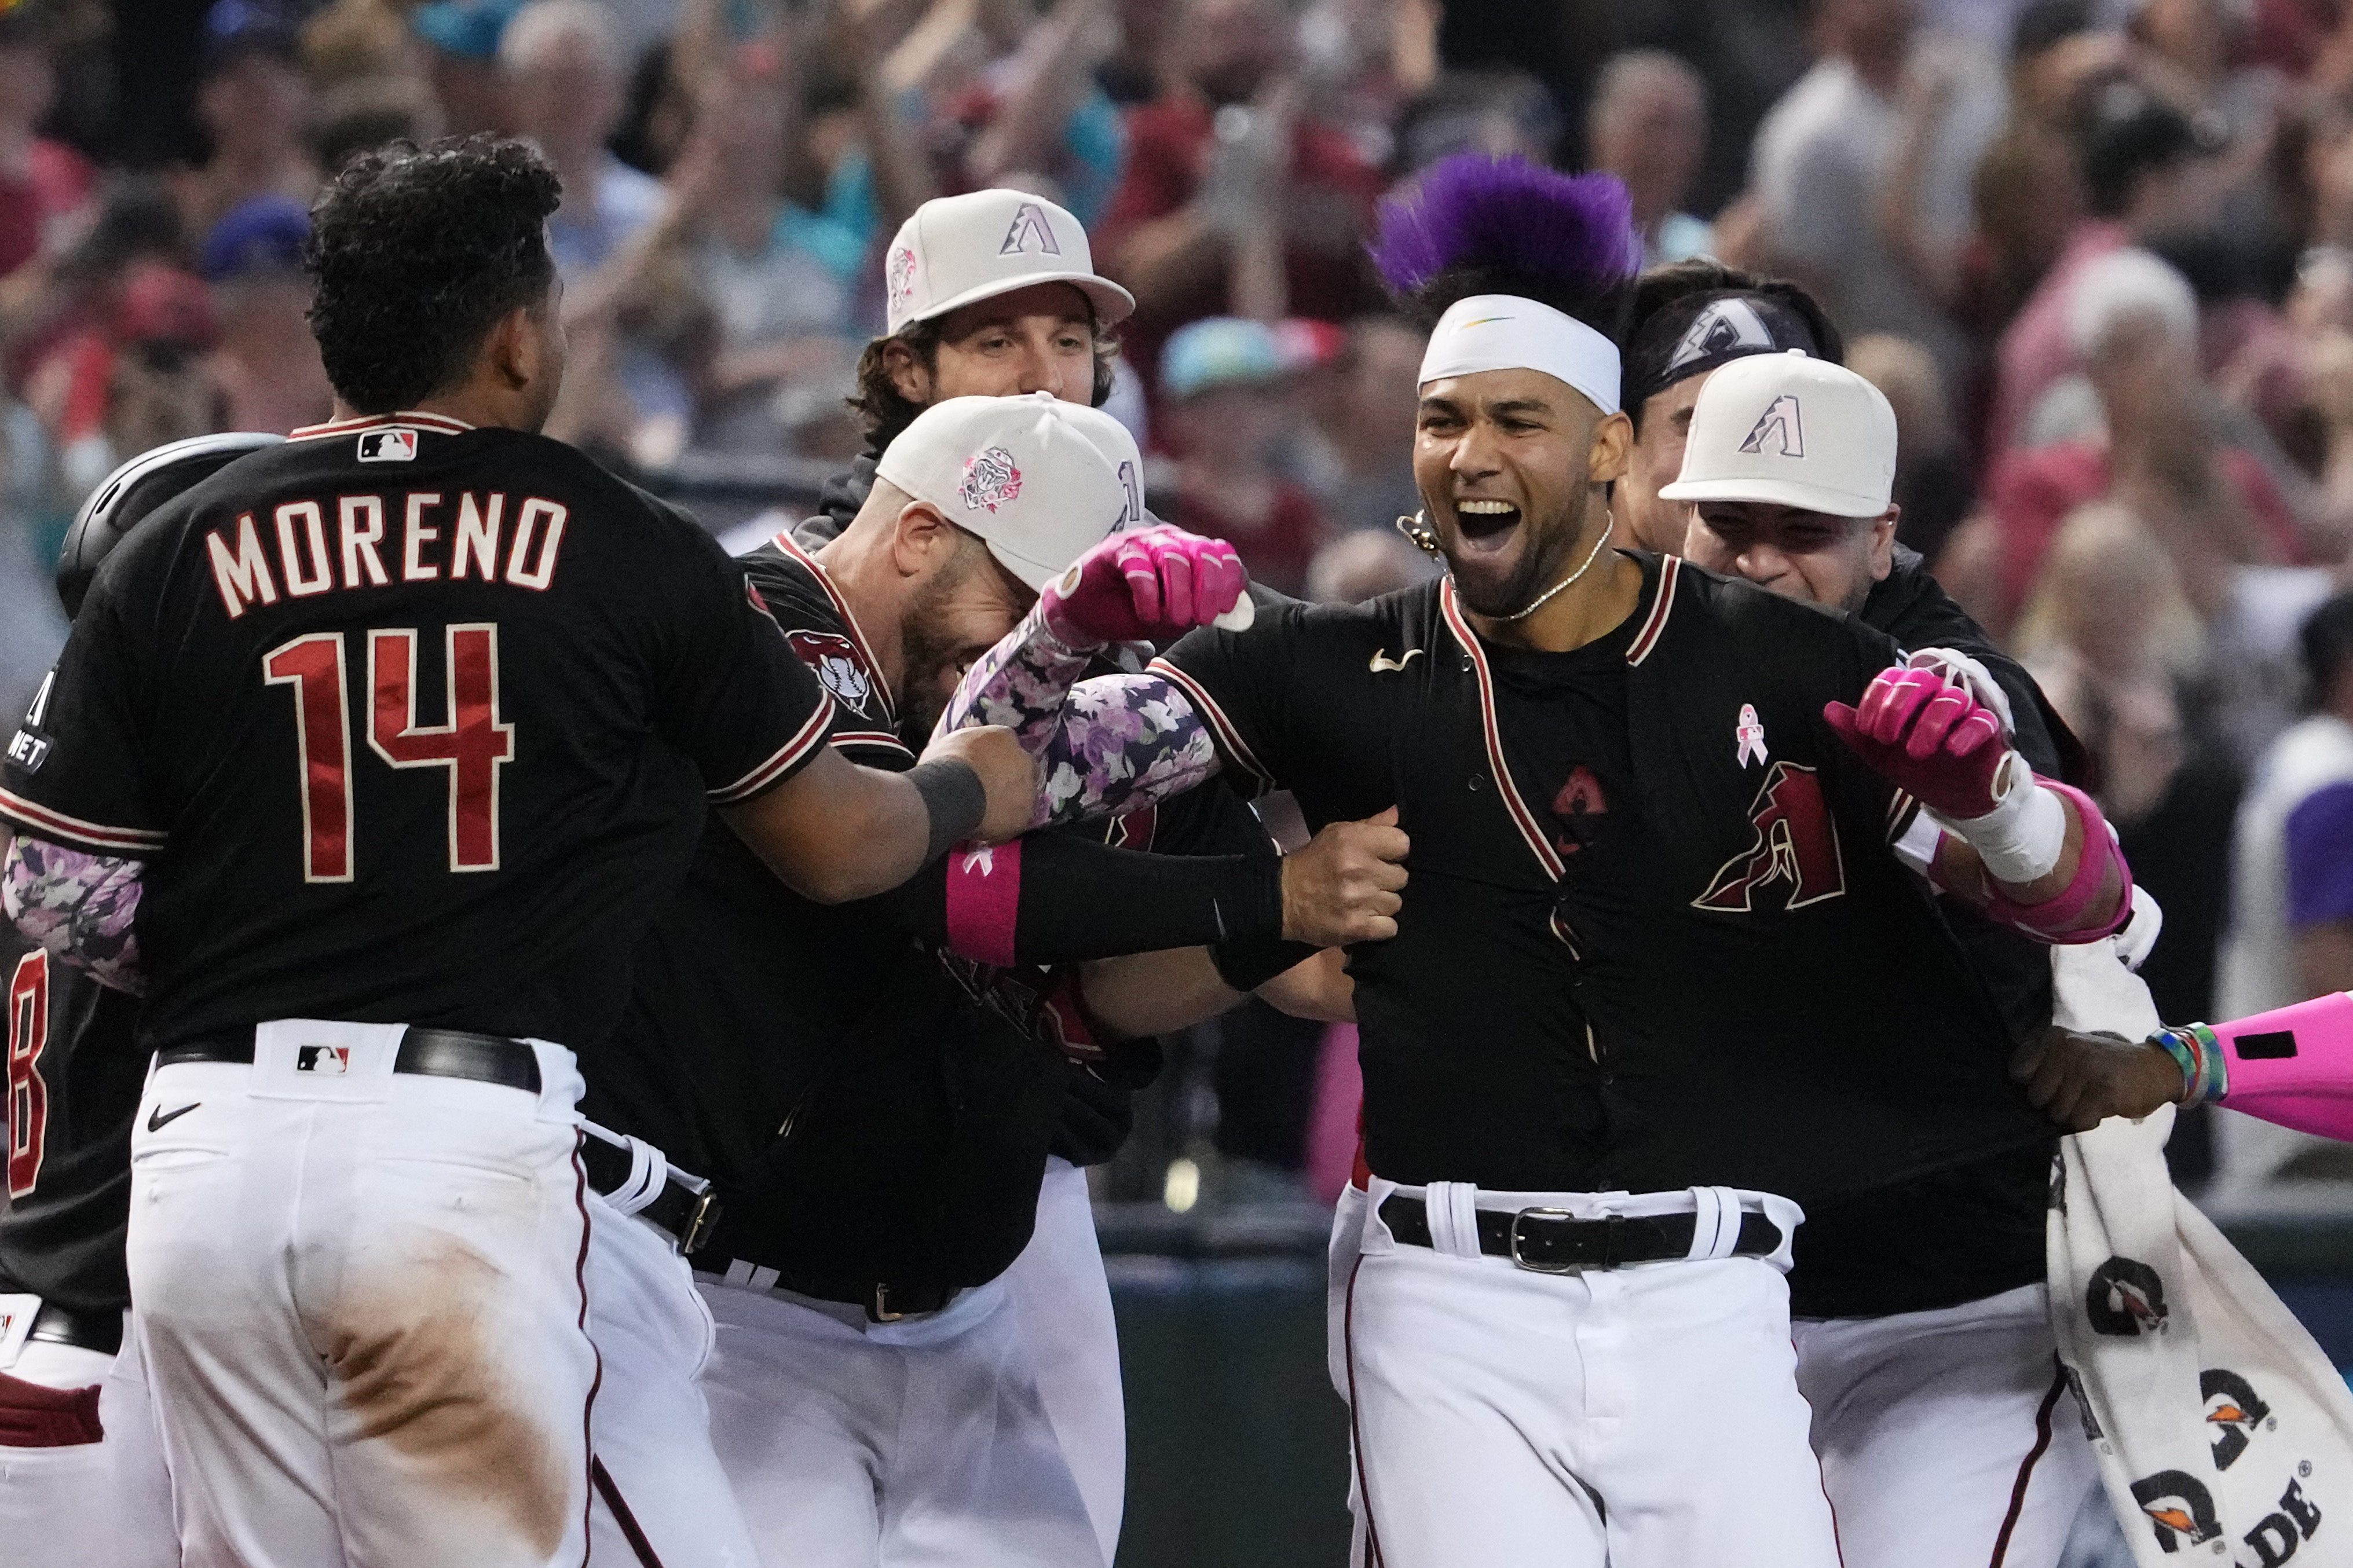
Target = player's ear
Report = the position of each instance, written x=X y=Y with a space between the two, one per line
x=1883 y=543
x=1613 y=448
x=920 y=539
x=907 y=374
x=509 y=352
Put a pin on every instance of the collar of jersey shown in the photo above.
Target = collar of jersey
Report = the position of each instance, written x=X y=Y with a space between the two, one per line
x=439 y=424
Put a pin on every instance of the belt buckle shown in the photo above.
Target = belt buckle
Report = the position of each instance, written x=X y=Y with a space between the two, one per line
x=877 y=1308
x=701 y=1219
x=1521 y=1261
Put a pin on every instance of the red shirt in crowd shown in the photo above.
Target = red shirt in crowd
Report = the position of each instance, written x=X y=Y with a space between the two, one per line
x=55 y=181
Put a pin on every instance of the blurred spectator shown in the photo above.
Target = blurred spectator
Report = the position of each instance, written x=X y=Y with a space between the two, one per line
x=267 y=366
x=1824 y=159
x=562 y=61
x=1649 y=127
x=2291 y=932
x=462 y=58
x=1365 y=565
x=2114 y=642
x=136 y=378
x=1224 y=412
x=252 y=101
x=1495 y=111
x=32 y=626
x=2147 y=171
x=1934 y=482
x=1687 y=319
x=2134 y=323
x=1355 y=447
x=2194 y=52
x=42 y=183
x=366 y=113
x=1034 y=117
x=1238 y=199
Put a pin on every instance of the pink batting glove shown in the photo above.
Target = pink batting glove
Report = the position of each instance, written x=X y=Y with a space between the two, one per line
x=1152 y=585
x=1934 y=742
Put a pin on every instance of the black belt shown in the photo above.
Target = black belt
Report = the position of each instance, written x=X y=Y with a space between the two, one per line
x=883 y=1301
x=686 y=1207
x=56 y=1325
x=1552 y=1242
x=428 y=1053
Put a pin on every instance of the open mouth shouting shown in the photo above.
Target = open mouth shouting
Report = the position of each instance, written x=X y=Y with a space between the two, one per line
x=1486 y=526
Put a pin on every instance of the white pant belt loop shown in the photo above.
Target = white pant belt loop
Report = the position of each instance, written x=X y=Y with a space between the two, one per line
x=1715 y=1221
x=1453 y=1211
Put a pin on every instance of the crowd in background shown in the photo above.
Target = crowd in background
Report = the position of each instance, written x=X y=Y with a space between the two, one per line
x=2097 y=253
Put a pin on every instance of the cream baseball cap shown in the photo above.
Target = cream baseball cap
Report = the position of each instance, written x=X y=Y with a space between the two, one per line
x=956 y=250
x=1040 y=481
x=1790 y=430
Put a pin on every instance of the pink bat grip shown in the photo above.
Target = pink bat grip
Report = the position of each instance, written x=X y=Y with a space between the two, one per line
x=2294 y=1066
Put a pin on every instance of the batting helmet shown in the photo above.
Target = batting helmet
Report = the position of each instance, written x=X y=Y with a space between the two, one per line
x=135 y=489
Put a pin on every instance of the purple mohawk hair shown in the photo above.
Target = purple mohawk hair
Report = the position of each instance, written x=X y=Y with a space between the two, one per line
x=1574 y=232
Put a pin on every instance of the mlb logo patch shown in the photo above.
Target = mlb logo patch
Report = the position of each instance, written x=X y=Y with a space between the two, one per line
x=328 y=1061
x=396 y=444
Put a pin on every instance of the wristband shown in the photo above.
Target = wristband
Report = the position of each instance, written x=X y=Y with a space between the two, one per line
x=2205 y=1072
x=2021 y=838
x=955 y=799
x=2054 y=920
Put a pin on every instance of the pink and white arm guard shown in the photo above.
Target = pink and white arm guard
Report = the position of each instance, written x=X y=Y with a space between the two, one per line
x=2292 y=1067
x=2075 y=916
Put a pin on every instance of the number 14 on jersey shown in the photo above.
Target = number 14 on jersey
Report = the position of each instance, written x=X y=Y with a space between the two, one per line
x=472 y=742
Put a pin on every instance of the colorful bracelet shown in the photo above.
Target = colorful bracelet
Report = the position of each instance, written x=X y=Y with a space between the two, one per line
x=2205 y=1071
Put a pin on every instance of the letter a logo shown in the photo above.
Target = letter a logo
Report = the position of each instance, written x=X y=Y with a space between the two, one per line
x=1778 y=429
x=1029 y=224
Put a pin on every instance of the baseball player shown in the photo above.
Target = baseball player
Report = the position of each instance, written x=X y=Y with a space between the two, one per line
x=1687 y=319
x=1924 y=1337
x=359 y=1217
x=2292 y=1067
x=1567 y=1329
x=879 y=1139
x=81 y=1471
x=994 y=293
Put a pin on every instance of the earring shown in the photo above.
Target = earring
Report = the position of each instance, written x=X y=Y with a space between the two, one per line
x=1418 y=530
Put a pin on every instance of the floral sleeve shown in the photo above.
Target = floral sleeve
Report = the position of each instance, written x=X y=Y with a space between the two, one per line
x=78 y=905
x=1110 y=745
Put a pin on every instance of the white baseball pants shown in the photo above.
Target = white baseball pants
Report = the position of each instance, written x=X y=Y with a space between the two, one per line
x=108 y=1503
x=1062 y=1299
x=1643 y=1416
x=1947 y=1439
x=661 y=1500
x=915 y=1444
x=360 y=1300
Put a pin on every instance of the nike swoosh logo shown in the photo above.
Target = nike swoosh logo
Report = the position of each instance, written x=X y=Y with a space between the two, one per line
x=1381 y=663
x=157 y=1117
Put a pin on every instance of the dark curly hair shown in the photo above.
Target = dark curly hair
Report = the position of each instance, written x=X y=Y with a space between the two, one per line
x=883 y=411
x=416 y=254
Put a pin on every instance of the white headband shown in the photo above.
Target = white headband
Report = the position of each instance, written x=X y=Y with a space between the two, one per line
x=1504 y=331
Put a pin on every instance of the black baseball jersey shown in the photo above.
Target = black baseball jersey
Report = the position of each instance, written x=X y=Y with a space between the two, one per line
x=866 y=1118
x=412 y=722
x=73 y=1088
x=1654 y=935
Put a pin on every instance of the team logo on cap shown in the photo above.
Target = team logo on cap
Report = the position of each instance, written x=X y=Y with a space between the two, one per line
x=1029 y=224
x=1778 y=429
x=990 y=481
x=1723 y=327
x=902 y=277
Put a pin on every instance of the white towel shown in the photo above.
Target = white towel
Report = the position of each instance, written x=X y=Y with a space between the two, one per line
x=2223 y=1431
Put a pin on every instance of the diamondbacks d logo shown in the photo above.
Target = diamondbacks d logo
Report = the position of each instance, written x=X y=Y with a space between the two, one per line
x=2180 y=1509
x=2235 y=1412
x=1796 y=845
x=2126 y=1298
x=1030 y=224
x=1778 y=429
